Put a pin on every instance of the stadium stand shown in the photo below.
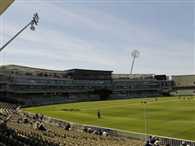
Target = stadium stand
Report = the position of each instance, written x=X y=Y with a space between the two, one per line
x=33 y=86
x=26 y=129
x=29 y=130
x=184 y=85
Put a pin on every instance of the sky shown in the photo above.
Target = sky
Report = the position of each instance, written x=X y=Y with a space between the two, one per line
x=101 y=35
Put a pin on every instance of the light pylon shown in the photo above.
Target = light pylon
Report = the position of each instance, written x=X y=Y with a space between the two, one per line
x=32 y=24
x=135 y=54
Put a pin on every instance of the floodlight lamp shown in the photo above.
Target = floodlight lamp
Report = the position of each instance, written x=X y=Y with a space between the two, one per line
x=34 y=21
x=135 y=53
x=36 y=18
x=32 y=27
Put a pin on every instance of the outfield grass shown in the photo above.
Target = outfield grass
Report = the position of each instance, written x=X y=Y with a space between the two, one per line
x=168 y=116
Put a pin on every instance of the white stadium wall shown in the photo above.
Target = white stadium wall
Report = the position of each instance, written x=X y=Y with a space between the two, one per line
x=183 y=92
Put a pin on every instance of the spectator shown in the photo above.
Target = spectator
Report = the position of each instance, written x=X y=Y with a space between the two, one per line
x=67 y=127
x=104 y=133
x=183 y=143
x=147 y=143
x=157 y=143
x=152 y=139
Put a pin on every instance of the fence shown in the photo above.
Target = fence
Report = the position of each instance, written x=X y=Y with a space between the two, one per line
x=163 y=140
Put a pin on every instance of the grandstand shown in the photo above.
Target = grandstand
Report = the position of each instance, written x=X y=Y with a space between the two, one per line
x=141 y=86
x=32 y=86
x=184 y=85
x=28 y=130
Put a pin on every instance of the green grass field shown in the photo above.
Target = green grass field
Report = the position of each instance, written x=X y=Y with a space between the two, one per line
x=168 y=116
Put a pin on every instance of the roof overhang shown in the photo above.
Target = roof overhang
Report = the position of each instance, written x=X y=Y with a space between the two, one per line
x=4 y=4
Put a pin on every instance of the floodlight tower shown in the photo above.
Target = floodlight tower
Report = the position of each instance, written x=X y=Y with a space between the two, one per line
x=32 y=24
x=134 y=54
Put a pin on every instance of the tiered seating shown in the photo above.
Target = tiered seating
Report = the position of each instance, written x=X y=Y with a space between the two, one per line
x=7 y=108
x=23 y=129
x=11 y=137
x=59 y=136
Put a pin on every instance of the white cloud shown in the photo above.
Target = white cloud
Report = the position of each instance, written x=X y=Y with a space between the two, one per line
x=54 y=43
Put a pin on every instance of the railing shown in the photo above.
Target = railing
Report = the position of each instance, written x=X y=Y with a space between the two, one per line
x=175 y=142
x=163 y=139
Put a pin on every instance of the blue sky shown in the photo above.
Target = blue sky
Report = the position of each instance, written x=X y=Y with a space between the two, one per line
x=101 y=34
